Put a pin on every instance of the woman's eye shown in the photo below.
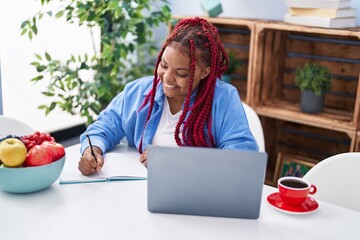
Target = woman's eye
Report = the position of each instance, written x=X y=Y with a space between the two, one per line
x=183 y=75
x=162 y=65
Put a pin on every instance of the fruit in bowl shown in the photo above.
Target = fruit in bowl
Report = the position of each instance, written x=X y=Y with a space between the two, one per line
x=12 y=152
x=30 y=163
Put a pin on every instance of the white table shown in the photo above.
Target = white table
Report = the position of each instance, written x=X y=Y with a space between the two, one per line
x=118 y=210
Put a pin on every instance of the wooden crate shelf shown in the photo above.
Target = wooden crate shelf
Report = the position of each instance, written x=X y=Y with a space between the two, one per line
x=272 y=51
x=281 y=48
x=309 y=143
x=237 y=37
x=329 y=118
x=357 y=144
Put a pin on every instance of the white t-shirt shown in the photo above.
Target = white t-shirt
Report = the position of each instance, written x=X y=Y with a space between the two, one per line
x=164 y=135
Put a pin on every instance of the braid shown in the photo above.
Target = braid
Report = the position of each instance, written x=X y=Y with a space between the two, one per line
x=151 y=97
x=189 y=91
x=202 y=42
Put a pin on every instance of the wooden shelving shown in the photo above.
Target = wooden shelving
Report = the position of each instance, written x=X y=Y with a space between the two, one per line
x=280 y=49
x=275 y=51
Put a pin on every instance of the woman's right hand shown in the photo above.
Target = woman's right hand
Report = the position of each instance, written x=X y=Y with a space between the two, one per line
x=143 y=158
x=87 y=163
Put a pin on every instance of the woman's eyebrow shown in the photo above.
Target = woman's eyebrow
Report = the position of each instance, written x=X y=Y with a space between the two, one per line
x=185 y=69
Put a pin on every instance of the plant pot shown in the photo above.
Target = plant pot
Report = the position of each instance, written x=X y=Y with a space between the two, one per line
x=311 y=103
x=226 y=78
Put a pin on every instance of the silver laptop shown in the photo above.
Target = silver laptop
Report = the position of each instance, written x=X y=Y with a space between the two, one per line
x=205 y=181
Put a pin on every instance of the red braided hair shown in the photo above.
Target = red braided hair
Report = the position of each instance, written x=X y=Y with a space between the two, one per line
x=202 y=42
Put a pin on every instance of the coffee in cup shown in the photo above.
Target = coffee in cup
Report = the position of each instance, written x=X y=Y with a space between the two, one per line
x=295 y=190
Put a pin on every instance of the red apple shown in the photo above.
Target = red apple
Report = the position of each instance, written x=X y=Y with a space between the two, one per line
x=55 y=149
x=37 y=156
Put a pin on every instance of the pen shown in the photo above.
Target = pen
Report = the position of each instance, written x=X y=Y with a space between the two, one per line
x=91 y=148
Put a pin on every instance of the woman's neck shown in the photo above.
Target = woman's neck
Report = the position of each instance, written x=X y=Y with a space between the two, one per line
x=175 y=104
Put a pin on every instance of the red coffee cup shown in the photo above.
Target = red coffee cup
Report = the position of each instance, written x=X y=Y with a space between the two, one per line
x=295 y=190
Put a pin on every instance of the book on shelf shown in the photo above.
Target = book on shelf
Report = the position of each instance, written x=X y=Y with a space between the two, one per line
x=117 y=167
x=320 y=21
x=323 y=12
x=318 y=3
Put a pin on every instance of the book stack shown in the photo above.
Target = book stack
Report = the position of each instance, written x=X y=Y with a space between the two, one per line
x=321 y=13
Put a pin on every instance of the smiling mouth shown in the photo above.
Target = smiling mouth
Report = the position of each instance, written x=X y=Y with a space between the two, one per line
x=169 y=86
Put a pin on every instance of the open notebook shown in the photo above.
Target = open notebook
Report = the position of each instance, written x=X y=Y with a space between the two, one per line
x=120 y=164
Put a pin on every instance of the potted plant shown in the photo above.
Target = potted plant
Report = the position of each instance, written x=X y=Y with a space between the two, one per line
x=314 y=81
x=234 y=63
x=126 y=52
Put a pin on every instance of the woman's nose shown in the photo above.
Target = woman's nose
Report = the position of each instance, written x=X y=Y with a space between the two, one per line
x=167 y=76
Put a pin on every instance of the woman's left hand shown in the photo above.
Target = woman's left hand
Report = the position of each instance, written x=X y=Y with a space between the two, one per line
x=143 y=158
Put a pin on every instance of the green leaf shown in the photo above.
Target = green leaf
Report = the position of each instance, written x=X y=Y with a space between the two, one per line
x=34 y=29
x=59 y=14
x=23 y=31
x=24 y=24
x=35 y=79
x=48 y=94
x=38 y=57
x=40 y=68
x=52 y=106
x=47 y=56
x=30 y=35
x=113 y=4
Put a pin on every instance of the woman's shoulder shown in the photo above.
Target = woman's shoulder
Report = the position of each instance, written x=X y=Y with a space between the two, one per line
x=138 y=87
x=140 y=83
x=224 y=89
x=135 y=89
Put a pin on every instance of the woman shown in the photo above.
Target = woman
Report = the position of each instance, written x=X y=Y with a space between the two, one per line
x=183 y=104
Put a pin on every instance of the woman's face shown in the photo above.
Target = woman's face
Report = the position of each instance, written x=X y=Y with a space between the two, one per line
x=174 y=73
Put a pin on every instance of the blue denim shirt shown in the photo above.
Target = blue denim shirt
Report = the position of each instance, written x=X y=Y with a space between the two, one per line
x=121 y=118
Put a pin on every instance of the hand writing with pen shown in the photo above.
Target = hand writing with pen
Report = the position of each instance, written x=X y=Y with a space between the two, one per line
x=88 y=164
x=91 y=161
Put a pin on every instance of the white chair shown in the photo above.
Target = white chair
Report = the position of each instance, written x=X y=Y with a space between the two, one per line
x=12 y=126
x=255 y=126
x=337 y=179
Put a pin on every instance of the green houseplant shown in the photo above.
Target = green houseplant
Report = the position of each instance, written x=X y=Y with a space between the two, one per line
x=314 y=81
x=126 y=52
x=234 y=64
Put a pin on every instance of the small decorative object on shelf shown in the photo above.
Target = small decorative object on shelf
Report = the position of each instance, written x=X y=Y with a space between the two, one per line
x=212 y=8
x=234 y=63
x=314 y=81
x=292 y=165
x=320 y=13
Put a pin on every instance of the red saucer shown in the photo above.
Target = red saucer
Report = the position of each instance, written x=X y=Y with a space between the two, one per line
x=309 y=206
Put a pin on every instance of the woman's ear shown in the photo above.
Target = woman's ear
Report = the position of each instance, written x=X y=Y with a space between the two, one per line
x=205 y=72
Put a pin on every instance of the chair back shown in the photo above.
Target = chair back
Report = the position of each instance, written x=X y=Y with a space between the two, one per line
x=255 y=126
x=337 y=179
x=12 y=126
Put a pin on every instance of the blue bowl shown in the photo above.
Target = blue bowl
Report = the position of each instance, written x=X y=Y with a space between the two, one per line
x=30 y=179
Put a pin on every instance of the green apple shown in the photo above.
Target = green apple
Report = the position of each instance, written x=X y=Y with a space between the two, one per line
x=12 y=152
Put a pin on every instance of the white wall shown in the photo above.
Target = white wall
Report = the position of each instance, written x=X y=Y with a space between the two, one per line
x=252 y=9
x=20 y=96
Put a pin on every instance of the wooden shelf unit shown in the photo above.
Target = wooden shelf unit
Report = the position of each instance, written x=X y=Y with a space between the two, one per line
x=275 y=51
x=279 y=49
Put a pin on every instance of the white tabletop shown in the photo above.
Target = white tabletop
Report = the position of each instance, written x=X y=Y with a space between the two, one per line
x=118 y=210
